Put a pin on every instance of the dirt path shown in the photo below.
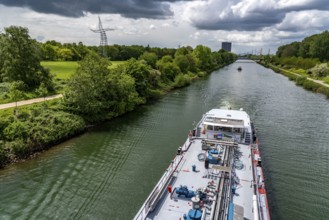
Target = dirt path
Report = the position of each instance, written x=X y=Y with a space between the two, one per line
x=314 y=80
x=28 y=102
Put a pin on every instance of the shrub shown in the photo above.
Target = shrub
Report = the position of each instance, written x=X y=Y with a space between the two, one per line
x=320 y=70
x=182 y=80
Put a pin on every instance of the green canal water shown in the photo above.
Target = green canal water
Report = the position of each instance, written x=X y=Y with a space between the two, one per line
x=108 y=172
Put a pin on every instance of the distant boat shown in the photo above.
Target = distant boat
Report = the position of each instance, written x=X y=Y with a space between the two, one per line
x=239 y=68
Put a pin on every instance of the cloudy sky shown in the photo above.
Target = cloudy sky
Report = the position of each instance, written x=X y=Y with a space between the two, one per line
x=251 y=25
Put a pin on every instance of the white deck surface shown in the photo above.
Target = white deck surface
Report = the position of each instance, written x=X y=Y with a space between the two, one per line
x=176 y=207
x=244 y=191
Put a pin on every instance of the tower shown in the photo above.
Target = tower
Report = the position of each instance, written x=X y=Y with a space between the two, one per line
x=227 y=46
x=103 y=42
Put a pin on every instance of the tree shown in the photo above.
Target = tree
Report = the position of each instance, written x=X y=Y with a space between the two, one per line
x=169 y=71
x=20 y=58
x=183 y=51
x=192 y=62
x=43 y=91
x=150 y=58
x=96 y=93
x=65 y=54
x=84 y=93
x=113 y=52
x=16 y=92
x=122 y=92
x=50 y=52
x=140 y=72
x=182 y=62
x=203 y=56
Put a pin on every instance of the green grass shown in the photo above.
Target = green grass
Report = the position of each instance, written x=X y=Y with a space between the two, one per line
x=299 y=71
x=61 y=69
x=326 y=79
x=65 y=69
x=116 y=63
x=53 y=104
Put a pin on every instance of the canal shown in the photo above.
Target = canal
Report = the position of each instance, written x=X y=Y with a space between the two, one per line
x=108 y=172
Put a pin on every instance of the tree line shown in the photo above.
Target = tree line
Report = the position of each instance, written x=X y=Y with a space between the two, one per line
x=94 y=93
x=308 y=58
x=311 y=56
x=315 y=46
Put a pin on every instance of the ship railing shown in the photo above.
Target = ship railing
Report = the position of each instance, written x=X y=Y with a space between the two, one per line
x=261 y=209
x=159 y=189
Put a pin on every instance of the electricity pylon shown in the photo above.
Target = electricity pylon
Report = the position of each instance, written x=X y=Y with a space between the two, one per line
x=103 y=42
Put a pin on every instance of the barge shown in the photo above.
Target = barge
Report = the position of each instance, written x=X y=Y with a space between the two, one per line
x=216 y=175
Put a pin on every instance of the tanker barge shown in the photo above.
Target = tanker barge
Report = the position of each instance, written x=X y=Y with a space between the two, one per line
x=216 y=174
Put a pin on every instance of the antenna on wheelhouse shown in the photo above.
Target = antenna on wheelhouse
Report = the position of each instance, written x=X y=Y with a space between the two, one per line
x=103 y=41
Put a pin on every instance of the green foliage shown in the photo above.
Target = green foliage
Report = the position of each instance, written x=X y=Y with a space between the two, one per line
x=65 y=54
x=50 y=52
x=20 y=59
x=295 y=62
x=167 y=59
x=4 y=90
x=54 y=51
x=168 y=69
x=183 y=51
x=37 y=131
x=324 y=90
x=182 y=62
x=42 y=91
x=290 y=50
x=203 y=56
x=320 y=70
x=182 y=80
x=16 y=91
x=150 y=58
x=15 y=130
x=3 y=154
x=97 y=93
x=83 y=95
x=315 y=46
x=140 y=72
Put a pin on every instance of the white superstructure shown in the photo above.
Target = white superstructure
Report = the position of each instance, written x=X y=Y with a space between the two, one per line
x=216 y=174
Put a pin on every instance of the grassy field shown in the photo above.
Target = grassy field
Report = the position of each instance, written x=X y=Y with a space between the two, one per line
x=64 y=69
x=61 y=69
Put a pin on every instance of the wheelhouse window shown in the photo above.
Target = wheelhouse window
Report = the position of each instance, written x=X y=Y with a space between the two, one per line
x=210 y=127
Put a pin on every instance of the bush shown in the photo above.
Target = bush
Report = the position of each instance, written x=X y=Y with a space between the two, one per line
x=182 y=80
x=4 y=91
x=3 y=155
x=300 y=80
x=38 y=129
x=320 y=70
x=324 y=90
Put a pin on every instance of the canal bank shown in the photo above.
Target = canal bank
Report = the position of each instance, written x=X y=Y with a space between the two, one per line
x=306 y=82
x=108 y=172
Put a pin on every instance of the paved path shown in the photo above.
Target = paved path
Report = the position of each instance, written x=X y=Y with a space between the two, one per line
x=28 y=102
x=314 y=80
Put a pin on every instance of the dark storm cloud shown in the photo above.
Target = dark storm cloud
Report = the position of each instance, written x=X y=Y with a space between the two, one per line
x=156 y=9
x=250 y=23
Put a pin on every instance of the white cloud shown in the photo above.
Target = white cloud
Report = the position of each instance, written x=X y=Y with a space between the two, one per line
x=305 y=20
x=152 y=27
